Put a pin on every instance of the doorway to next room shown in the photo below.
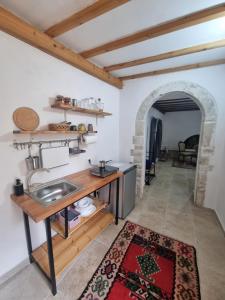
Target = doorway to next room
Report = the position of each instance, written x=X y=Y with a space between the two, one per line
x=172 y=137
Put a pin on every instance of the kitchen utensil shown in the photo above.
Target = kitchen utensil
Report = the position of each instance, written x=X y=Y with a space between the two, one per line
x=90 y=128
x=76 y=150
x=32 y=162
x=67 y=100
x=74 y=102
x=102 y=170
x=82 y=127
x=59 y=98
x=103 y=163
x=100 y=105
x=26 y=118
x=73 y=128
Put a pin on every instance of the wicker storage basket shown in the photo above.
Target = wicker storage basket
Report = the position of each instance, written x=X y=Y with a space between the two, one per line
x=59 y=127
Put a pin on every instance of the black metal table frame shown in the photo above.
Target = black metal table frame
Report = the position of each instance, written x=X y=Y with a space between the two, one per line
x=52 y=278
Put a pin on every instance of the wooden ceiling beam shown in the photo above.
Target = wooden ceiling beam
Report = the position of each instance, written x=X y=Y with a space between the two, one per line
x=88 y=13
x=177 y=108
x=181 y=109
x=175 y=69
x=22 y=30
x=168 y=102
x=167 y=55
x=195 y=18
x=176 y=100
x=178 y=105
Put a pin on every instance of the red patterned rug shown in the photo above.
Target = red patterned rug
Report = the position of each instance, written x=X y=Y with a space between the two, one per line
x=143 y=264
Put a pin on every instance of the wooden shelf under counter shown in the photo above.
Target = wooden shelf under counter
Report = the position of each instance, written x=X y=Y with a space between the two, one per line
x=65 y=250
x=60 y=229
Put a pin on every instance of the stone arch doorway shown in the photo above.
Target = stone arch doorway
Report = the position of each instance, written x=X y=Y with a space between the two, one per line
x=207 y=105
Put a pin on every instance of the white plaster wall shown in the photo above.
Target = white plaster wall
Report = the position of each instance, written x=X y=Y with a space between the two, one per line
x=135 y=92
x=29 y=77
x=220 y=205
x=178 y=126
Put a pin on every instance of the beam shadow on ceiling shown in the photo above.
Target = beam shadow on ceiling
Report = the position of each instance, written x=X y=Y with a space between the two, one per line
x=173 y=105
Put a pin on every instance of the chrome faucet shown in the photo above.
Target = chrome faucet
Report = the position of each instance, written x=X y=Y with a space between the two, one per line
x=30 y=175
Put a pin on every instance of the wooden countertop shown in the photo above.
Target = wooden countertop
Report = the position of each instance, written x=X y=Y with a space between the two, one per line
x=88 y=182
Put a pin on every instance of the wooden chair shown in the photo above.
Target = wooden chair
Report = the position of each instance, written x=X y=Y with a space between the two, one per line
x=184 y=153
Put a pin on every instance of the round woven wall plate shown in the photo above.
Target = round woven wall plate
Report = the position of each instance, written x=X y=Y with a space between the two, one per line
x=26 y=118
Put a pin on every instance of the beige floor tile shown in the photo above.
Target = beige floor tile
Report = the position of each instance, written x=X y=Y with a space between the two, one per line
x=154 y=221
x=212 y=284
x=179 y=204
x=183 y=221
x=179 y=226
x=81 y=272
x=110 y=233
x=152 y=205
x=26 y=285
x=212 y=255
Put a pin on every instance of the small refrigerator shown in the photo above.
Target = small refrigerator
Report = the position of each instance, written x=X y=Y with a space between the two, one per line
x=127 y=192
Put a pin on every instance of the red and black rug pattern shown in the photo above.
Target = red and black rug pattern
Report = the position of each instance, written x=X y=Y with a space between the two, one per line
x=142 y=264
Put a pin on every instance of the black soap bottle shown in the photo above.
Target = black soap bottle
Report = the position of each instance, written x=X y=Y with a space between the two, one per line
x=18 y=188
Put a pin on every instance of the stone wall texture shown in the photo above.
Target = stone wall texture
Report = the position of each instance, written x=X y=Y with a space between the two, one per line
x=208 y=109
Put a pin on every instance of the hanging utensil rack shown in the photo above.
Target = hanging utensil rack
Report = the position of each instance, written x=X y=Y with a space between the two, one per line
x=23 y=145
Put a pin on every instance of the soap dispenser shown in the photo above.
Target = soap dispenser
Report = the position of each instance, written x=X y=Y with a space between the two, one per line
x=18 y=188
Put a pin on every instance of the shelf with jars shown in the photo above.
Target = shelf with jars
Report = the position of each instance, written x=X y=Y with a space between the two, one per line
x=89 y=106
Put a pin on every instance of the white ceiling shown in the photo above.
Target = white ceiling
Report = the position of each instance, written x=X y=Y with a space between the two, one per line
x=124 y=20
x=45 y=13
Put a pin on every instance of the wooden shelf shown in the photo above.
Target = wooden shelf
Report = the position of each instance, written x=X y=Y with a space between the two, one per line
x=59 y=228
x=65 y=250
x=81 y=110
x=36 y=132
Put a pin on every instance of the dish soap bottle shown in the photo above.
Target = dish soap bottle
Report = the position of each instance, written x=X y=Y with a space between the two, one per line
x=18 y=188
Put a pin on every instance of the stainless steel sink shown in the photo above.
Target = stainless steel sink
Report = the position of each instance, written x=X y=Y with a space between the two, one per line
x=53 y=191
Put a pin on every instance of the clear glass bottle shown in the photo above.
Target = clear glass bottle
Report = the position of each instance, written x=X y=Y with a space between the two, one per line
x=100 y=104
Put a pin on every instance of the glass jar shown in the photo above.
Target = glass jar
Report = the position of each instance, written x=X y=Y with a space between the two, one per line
x=100 y=104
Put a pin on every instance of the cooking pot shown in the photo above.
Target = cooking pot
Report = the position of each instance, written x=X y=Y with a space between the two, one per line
x=103 y=163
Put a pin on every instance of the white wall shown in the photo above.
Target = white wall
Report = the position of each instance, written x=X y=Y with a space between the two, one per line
x=220 y=205
x=178 y=126
x=29 y=77
x=135 y=92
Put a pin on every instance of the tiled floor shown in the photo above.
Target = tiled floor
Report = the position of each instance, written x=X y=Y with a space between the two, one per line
x=166 y=208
